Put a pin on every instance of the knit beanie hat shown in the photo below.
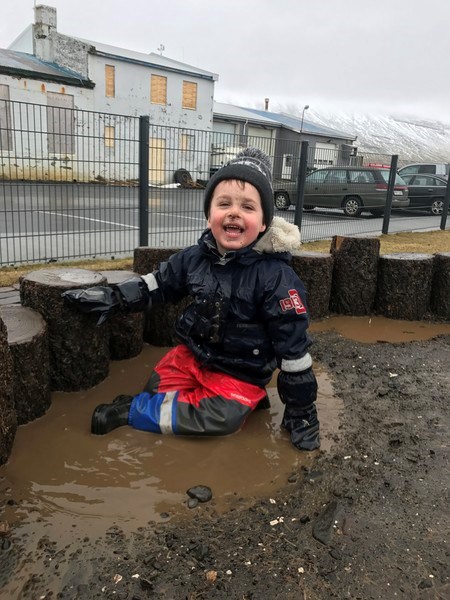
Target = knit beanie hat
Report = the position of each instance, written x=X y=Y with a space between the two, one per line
x=253 y=166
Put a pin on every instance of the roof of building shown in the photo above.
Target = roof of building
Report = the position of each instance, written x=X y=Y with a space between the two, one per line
x=26 y=65
x=152 y=59
x=266 y=117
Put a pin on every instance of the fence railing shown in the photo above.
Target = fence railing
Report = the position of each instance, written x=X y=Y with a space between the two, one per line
x=80 y=184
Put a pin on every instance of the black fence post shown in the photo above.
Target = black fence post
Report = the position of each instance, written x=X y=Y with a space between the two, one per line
x=390 y=193
x=144 y=127
x=445 y=206
x=301 y=177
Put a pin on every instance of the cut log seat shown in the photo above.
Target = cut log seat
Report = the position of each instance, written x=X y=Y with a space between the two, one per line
x=160 y=320
x=404 y=285
x=126 y=332
x=355 y=271
x=79 y=350
x=315 y=269
x=28 y=343
x=8 y=416
x=440 y=289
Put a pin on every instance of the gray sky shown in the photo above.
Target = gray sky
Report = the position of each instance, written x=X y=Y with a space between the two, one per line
x=383 y=56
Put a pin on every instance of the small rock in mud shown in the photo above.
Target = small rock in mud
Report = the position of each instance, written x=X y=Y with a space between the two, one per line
x=201 y=492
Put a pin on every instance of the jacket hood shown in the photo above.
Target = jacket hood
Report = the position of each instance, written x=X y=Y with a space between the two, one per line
x=281 y=236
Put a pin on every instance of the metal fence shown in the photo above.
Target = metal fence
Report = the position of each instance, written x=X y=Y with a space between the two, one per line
x=78 y=184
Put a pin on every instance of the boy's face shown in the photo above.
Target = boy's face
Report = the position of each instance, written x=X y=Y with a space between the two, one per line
x=235 y=215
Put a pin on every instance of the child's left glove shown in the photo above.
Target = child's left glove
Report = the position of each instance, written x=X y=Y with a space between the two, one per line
x=129 y=296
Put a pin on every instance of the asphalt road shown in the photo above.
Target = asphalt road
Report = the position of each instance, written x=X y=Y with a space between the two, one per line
x=48 y=222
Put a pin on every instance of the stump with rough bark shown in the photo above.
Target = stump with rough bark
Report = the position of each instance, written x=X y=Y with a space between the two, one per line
x=355 y=271
x=126 y=332
x=160 y=322
x=440 y=289
x=147 y=259
x=160 y=319
x=79 y=350
x=8 y=417
x=315 y=269
x=28 y=343
x=404 y=285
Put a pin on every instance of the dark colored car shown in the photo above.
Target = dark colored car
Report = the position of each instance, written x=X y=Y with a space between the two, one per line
x=353 y=189
x=439 y=169
x=426 y=192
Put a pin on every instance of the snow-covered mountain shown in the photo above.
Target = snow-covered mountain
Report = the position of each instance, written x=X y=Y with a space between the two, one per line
x=412 y=139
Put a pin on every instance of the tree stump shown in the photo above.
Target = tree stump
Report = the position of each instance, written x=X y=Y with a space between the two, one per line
x=160 y=322
x=126 y=332
x=147 y=259
x=8 y=417
x=404 y=285
x=79 y=351
x=440 y=289
x=315 y=269
x=354 y=284
x=28 y=343
x=160 y=319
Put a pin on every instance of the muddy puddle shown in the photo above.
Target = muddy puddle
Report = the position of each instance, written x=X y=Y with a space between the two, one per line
x=64 y=483
x=370 y=330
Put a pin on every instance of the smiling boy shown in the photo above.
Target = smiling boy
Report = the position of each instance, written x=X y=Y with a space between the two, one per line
x=247 y=318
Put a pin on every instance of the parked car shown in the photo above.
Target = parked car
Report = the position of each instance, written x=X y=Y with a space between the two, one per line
x=353 y=189
x=440 y=169
x=427 y=192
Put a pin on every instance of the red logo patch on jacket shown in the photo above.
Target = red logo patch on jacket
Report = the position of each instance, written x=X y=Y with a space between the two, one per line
x=293 y=302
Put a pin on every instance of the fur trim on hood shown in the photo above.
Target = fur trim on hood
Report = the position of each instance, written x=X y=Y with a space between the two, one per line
x=281 y=236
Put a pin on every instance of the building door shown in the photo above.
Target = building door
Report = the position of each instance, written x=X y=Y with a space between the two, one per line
x=157 y=161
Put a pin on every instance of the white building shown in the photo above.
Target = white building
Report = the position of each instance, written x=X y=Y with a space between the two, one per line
x=68 y=78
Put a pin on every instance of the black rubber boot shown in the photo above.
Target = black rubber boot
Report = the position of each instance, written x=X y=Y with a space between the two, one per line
x=107 y=417
x=123 y=399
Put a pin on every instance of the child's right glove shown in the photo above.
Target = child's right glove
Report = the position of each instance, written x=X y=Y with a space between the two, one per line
x=129 y=296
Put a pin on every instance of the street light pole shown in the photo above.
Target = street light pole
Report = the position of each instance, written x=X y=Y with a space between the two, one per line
x=303 y=116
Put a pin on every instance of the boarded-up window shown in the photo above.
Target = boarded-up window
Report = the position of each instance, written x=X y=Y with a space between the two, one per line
x=60 y=123
x=186 y=142
x=5 y=119
x=158 y=89
x=109 y=136
x=110 y=81
x=189 y=95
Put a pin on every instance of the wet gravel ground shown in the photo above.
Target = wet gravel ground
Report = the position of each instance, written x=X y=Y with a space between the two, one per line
x=369 y=520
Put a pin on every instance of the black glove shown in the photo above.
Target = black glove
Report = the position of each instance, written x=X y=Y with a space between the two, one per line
x=129 y=296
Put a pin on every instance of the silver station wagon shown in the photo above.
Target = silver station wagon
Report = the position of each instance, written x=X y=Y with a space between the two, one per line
x=352 y=189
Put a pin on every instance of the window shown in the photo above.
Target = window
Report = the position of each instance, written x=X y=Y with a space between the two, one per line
x=5 y=119
x=186 y=142
x=109 y=136
x=189 y=95
x=60 y=123
x=110 y=81
x=427 y=169
x=317 y=176
x=158 y=89
x=361 y=177
x=336 y=176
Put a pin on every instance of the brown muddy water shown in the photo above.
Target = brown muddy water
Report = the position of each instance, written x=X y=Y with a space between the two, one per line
x=65 y=483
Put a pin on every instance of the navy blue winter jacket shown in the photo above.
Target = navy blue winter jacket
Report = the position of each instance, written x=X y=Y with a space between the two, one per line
x=248 y=314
